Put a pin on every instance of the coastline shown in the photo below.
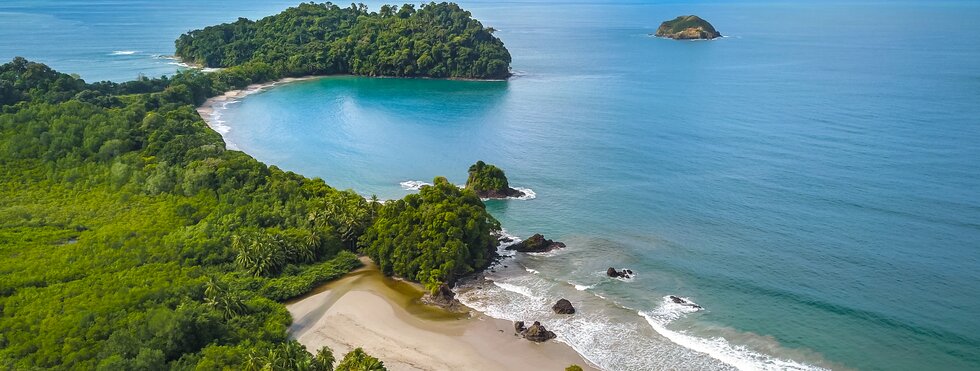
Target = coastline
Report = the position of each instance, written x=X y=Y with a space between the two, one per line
x=395 y=329
x=210 y=110
x=383 y=316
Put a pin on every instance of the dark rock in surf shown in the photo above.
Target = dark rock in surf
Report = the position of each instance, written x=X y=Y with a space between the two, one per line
x=536 y=243
x=537 y=333
x=563 y=306
x=625 y=273
x=681 y=301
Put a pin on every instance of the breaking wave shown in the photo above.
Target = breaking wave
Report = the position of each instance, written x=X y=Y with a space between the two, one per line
x=413 y=185
x=718 y=348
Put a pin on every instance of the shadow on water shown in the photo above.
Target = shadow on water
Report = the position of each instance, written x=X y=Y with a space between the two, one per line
x=428 y=97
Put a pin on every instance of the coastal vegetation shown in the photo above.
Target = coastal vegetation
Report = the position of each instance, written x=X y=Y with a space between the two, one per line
x=434 y=40
x=687 y=27
x=358 y=360
x=130 y=238
x=433 y=237
x=489 y=181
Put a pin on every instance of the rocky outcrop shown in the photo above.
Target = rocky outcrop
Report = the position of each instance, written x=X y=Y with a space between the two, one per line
x=536 y=243
x=489 y=181
x=687 y=27
x=563 y=306
x=536 y=333
x=681 y=301
x=625 y=273
x=444 y=297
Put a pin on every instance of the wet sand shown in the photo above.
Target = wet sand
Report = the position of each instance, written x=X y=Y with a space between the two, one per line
x=383 y=316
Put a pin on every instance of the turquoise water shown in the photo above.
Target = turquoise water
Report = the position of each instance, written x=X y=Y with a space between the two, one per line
x=812 y=180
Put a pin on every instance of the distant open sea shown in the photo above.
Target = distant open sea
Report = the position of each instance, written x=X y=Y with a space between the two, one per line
x=812 y=179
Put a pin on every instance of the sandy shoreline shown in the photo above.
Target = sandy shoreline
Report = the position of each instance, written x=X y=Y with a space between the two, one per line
x=381 y=315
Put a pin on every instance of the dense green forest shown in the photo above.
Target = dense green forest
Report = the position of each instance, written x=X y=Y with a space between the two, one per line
x=433 y=237
x=436 y=40
x=130 y=238
x=483 y=177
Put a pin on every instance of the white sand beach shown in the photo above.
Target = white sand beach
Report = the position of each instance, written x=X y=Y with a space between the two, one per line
x=365 y=309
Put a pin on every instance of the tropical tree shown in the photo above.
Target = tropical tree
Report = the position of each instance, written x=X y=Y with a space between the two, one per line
x=358 y=360
x=217 y=296
x=323 y=360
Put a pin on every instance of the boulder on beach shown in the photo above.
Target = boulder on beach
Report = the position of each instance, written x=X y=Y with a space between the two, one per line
x=536 y=243
x=444 y=297
x=563 y=306
x=537 y=333
x=519 y=327
x=625 y=273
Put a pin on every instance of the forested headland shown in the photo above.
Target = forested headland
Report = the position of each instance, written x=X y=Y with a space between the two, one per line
x=434 y=40
x=131 y=238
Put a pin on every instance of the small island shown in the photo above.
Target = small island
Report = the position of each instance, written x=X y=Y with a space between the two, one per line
x=489 y=181
x=687 y=27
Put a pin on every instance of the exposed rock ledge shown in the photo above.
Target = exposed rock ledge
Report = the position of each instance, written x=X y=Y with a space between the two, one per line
x=536 y=243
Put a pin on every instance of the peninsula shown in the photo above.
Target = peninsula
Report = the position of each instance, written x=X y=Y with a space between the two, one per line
x=438 y=40
x=687 y=27
x=162 y=248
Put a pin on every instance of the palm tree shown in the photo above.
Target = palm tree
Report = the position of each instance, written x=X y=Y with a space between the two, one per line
x=358 y=360
x=217 y=296
x=375 y=204
x=323 y=361
x=260 y=255
x=269 y=259
x=312 y=245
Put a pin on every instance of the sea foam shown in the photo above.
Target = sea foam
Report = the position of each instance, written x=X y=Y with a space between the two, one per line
x=413 y=185
x=123 y=52
x=605 y=335
x=718 y=348
x=516 y=289
x=528 y=194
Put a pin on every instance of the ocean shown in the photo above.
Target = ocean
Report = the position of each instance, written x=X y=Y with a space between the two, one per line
x=812 y=179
